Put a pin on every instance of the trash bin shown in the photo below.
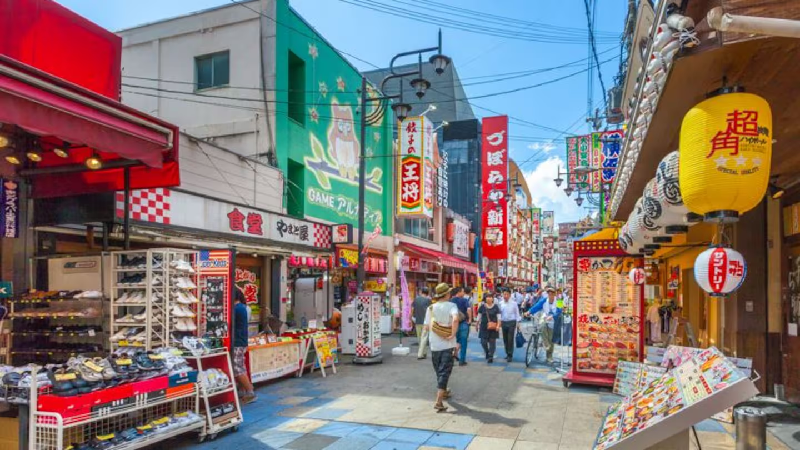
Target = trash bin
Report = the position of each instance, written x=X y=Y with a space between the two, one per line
x=751 y=428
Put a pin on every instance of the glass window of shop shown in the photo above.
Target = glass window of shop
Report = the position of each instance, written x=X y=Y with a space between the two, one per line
x=248 y=279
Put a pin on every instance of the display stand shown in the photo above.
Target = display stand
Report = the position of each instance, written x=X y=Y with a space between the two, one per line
x=43 y=328
x=324 y=346
x=213 y=397
x=83 y=417
x=368 y=328
x=701 y=386
x=274 y=360
x=607 y=313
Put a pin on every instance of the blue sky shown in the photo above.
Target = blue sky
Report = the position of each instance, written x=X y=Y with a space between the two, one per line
x=375 y=37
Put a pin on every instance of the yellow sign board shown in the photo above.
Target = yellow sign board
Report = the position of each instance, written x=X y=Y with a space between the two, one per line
x=375 y=286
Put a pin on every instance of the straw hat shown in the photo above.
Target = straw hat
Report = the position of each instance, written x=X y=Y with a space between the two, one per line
x=441 y=290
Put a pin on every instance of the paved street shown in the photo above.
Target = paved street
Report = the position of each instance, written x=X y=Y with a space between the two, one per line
x=389 y=406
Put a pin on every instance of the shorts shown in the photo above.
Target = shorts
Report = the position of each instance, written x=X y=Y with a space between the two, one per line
x=443 y=365
x=238 y=361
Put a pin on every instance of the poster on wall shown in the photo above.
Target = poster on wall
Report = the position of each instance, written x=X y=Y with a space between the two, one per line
x=215 y=292
x=494 y=187
x=460 y=239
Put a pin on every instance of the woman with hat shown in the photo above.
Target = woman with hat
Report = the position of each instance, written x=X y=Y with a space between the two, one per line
x=441 y=319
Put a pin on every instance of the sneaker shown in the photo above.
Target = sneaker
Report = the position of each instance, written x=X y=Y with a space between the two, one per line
x=156 y=281
x=127 y=318
x=187 y=312
x=120 y=335
x=141 y=317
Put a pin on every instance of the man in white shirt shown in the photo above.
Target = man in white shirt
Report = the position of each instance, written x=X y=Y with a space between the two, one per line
x=549 y=311
x=441 y=320
x=509 y=321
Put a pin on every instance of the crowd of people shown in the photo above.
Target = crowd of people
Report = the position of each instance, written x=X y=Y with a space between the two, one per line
x=443 y=321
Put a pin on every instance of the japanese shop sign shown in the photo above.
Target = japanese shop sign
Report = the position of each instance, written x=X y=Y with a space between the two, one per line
x=495 y=187
x=536 y=221
x=548 y=222
x=176 y=208
x=580 y=153
x=415 y=175
x=461 y=239
x=342 y=233
x=368 y=325
x=9 y=206
x=443 y=188
x=607 y=147
x=347 y=258
x=549 y=246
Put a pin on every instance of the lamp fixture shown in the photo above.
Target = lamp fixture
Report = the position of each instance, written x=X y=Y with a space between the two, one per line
x=774 y=191
x=421 y=85
x=61 y=151
x=558 y=181
x=431 y=107
x=569 y=191
x=401 y=110
x=13 y=159
x=94 y=162
x=5 y=140
x=35 y=153
x=439 y=62
x=579 y=200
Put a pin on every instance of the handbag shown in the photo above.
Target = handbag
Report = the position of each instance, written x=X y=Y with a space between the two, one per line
x=442 y=331
x=520 y=339
x=491 y=326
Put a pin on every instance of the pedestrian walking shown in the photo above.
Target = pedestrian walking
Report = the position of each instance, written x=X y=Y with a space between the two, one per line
x=442 y=320
x=489 y=326
x=240 y=343
x=550 y=311
x=510 y=317
x=464 y=320
x=419 y=307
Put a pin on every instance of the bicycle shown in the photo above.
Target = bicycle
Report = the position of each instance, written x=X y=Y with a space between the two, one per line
x=534 y=350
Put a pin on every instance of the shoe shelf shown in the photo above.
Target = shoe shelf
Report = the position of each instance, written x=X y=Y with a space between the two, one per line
x=148 y=420
x=214 y=399
x=61 y=324
x=183 y=293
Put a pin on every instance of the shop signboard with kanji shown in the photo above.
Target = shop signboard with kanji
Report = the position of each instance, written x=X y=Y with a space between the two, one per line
x=606 y=148
x=442 y=183
x=580 y=153
x=415 y=175
x=548 y=222
x=495 y=187
x=536 y=221
x=608 y=312
x=368 y=325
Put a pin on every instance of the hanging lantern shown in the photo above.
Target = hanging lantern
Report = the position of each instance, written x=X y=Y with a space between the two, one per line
x=637 y=276
x=641 y=238
x=668 y=194
x=720 y=270
x=625 y=240
x=725 y=155
x=651 y=212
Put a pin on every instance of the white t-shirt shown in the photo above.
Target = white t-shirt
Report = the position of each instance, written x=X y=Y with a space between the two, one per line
x=443 y=313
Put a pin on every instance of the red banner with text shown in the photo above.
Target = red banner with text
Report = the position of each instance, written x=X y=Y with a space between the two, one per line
x=495 y=187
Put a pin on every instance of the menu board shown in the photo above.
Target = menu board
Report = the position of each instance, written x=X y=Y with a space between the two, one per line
x=635 y=376
x=608 y=314
x=698 y=378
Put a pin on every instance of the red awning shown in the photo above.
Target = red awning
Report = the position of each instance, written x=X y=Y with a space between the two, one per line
x=445 y=259
x=57 y=110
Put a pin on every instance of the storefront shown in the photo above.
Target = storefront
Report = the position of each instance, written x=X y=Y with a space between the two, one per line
x=434 y=266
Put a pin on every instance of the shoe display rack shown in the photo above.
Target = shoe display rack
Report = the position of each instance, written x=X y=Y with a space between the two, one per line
x=219 y=397
x=154 y=298
x=47 y=326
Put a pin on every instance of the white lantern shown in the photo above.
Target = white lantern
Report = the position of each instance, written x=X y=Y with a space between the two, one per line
x=668 y=194
x=652 y=211
x=625 y=240
x=720 y=271
x=641 y=238
x=637 y=276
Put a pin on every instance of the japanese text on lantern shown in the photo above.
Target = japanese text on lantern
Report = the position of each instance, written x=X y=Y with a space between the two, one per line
x=495 y=188
x=742 y=128
x=412 y=175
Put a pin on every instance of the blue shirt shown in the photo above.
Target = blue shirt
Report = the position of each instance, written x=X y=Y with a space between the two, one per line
x=463 y=305
x=538 y=305
x=240 y=325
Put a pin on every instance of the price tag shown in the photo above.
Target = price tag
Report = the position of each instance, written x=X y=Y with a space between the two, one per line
x=123 y=343
x=91 y=365
x=177 y=352
x=163 y=420
x=65 y=377
x=137 y=344
x=91 y=332
x=124 y=362
x=155 y=357
x=105 y=437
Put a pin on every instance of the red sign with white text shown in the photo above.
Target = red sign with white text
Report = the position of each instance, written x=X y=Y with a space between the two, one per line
x=495 y=187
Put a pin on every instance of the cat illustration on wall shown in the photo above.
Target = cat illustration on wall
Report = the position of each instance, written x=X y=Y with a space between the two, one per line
x=343 y=146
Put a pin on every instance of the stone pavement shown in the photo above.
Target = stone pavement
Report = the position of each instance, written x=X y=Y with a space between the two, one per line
x=389 y=406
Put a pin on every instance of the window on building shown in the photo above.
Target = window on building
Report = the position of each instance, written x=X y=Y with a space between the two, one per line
x=419 y=227
x=212 y=71
x=297 y=88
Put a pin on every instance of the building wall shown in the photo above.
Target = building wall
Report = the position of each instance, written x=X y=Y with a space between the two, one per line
x=320 y=153
x=461 y=141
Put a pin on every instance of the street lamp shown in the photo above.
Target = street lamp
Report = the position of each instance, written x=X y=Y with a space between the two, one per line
x=401 y=109
x=569 y=191
x=579 y=200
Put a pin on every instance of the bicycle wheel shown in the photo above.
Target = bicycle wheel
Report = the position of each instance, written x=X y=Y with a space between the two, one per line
x=532 y=352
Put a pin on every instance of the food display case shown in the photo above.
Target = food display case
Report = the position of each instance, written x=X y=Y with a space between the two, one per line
x=608 y=307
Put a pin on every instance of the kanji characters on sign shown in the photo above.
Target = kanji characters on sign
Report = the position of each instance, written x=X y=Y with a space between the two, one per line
x=494 y=187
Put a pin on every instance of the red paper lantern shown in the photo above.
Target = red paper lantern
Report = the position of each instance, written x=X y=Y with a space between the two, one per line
x=720 y=271
x=637 y=276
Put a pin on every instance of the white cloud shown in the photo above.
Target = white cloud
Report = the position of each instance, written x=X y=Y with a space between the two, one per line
x=545 y=147
x=546 y=195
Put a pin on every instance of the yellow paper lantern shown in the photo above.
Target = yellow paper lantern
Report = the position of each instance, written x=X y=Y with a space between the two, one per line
x=725 y=155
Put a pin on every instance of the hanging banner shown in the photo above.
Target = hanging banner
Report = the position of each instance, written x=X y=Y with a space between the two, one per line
x=442 y=184
x=536 y=221
x=548 y=222
x=494 y=188
x=405 y=320
x=579 y=153
x=549 y=248
x=607 y=147
x=411 y=176
x=428 y=153
x=9 y=209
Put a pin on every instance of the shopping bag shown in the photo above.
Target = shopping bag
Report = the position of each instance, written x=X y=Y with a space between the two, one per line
x=520 y=340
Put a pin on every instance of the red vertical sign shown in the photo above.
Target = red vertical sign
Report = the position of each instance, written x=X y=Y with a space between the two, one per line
x=495 y=187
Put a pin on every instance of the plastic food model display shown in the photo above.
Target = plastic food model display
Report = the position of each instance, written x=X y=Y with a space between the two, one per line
x=695 y=379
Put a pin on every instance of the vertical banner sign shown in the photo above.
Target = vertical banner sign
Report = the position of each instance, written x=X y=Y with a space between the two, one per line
x=405 y=324
x=429 y=174
x=411 y=171
x=368 y=325
x=549 y=248
x=443 y=187
x=494 y=187
x=9 y=206
x=610 y=145
x=548 y=222
x=579 y=153
x=536 y=221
